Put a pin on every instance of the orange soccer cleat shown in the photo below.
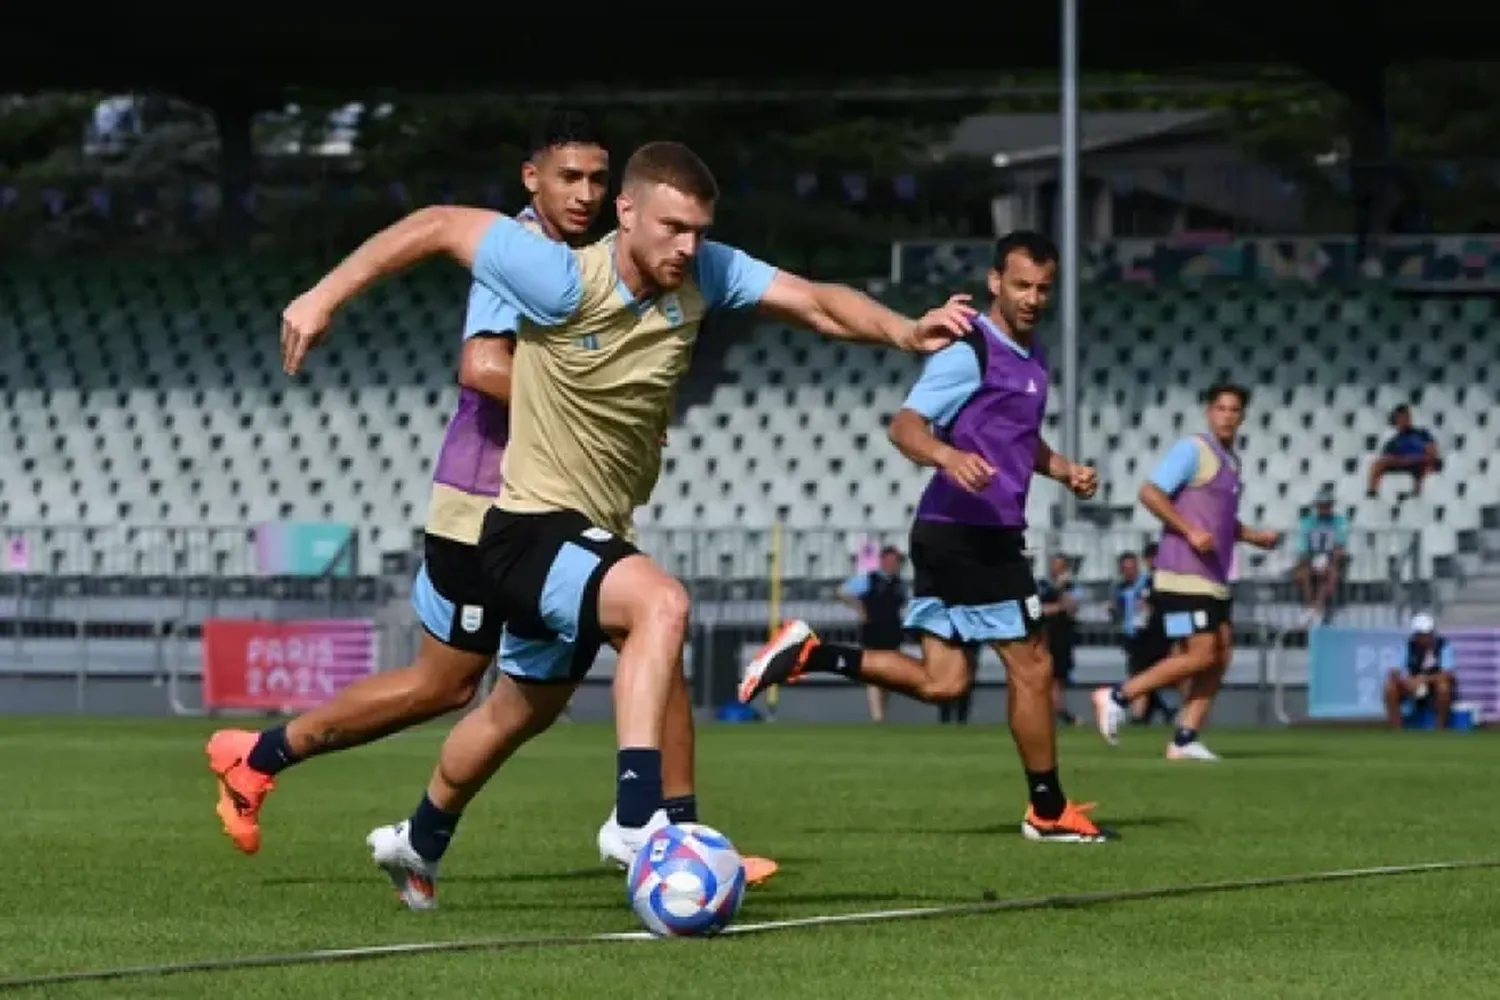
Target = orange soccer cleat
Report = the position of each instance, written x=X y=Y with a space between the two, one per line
x=242 y=790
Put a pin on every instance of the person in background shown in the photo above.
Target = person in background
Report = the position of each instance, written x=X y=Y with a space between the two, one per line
x=1411 y=450
x=879 y=597
x=1060 y=598
x=1428 y=679
x=1323 y=548
x=1130 y=610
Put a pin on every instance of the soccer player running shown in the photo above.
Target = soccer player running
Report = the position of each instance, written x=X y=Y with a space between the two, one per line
x=606 y=336
x=975 y=415
x=567 y=176
x=1195 y=493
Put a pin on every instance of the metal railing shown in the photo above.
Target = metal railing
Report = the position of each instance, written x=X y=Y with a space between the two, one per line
x=65 y=622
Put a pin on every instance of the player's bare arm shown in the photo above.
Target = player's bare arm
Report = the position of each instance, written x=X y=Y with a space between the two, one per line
x=912 y=435
x=842 y=313
x=485 y=366
x=438 y=229
x=1261 y=538
x=1081 y=479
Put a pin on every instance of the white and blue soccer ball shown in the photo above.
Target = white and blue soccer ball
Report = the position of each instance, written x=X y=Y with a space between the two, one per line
x=687 y=880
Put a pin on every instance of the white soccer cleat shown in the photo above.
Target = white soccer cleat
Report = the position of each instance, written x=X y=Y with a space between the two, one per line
x=1193 y=751
x=414 y=878
x=620 y=844
x=1109 y=716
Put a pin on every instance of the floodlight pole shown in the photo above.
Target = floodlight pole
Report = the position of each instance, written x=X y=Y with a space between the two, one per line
x=1067 y=183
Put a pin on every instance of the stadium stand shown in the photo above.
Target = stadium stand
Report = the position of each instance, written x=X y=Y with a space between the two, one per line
x=151 y=393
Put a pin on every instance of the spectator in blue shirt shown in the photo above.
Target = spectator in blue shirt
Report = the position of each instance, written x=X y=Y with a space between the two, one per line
x=1322 y=552
x=1411 y=450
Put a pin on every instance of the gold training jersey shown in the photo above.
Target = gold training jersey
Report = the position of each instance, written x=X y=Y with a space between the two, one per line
x=596 y=369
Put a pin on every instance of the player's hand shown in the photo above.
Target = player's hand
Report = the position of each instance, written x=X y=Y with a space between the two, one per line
x=968 y=470
x=1083 y=480
x=937 y=328
x=1267 y=539
x=663 y=439
x=1200 y=540
x=304 y=323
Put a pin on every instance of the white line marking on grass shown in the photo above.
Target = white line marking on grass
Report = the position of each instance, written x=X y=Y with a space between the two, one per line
x=1060 y=901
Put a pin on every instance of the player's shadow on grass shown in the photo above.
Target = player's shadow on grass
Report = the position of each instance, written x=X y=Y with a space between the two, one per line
x=1267 y=753
x=1118 y=823
x=597 y=874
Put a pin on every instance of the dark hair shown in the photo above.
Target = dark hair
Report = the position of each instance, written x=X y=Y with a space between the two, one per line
x=1399 y=410
x=564 y=127
x=672 y=164
x=1127 y=555
x=890 y=550
x=1213 y=392
x=1033 y=244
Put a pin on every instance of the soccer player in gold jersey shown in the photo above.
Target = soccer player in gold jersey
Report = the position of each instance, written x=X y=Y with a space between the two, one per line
x=567 y=176
x=605 y=337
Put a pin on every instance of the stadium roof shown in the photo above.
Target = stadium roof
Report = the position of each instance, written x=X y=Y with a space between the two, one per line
x=153 y=45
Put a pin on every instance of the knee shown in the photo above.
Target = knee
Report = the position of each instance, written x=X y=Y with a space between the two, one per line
x=441 y=691
x=944 y=688
x=668 y=606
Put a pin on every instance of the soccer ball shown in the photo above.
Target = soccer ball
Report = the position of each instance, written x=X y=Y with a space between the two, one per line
x=687 y=880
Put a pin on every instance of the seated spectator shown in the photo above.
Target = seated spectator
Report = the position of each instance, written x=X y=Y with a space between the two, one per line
x=1323 y=550
x=1428 y=679
x=1411 y=450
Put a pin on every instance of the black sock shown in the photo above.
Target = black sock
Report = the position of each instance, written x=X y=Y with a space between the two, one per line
x=682 y=809
x=1118 y=694
x=1046 y=793
x=638 y=787
x=431 y=830
x=1184 y=736
x=271 y=754
x=831 y=658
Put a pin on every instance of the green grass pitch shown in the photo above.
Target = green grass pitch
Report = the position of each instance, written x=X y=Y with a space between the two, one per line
x=116 y=858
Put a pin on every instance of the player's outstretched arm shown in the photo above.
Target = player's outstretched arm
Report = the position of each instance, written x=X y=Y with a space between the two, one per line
x=424 y=233
x=841 y=313
x=533 y=275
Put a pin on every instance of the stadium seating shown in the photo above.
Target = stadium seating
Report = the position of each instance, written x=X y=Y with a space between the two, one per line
x=151 y=392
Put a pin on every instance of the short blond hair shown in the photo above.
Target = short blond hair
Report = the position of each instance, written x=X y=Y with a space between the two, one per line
x=672 y=164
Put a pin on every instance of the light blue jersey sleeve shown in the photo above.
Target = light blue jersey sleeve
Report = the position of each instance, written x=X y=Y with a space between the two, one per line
x=857 y=586
x=1445 y=658
x=536 y=277
x=1177 y=468
x=489 y=313
x=1341 y=531
x=949 y=378
x=730 y=278
x=1304 y=535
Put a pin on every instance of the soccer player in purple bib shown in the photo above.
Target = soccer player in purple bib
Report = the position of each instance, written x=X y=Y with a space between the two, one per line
x=975 y=415
x=1195 y=493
